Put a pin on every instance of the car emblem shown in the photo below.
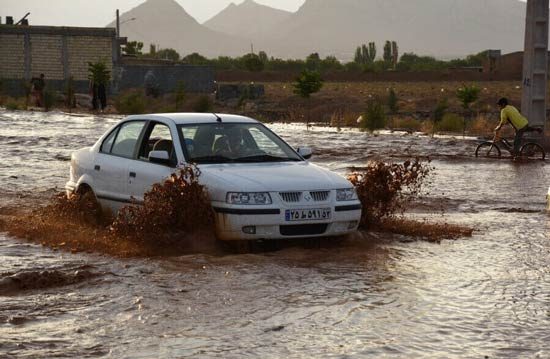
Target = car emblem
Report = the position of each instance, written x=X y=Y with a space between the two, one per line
x=307 y=197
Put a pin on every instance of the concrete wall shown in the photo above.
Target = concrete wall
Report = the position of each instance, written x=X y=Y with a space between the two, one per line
x=195 y=78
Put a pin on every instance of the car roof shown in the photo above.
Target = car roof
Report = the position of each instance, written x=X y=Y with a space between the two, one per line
x=191 y=118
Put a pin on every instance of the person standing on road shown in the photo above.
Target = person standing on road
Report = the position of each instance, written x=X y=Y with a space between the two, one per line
x=38 y=84
x=510 y=114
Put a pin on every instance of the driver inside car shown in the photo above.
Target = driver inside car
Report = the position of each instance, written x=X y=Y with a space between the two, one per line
x=232 y=144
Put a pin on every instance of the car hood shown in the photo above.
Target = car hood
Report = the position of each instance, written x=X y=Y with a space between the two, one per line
x=270 y=177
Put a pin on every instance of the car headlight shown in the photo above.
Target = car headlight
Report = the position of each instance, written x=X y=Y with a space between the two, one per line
x=249 y=198
x=348 y=194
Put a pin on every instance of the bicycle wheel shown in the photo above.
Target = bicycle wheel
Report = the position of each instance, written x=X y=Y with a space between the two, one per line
x=488 y=149
x=532 y=151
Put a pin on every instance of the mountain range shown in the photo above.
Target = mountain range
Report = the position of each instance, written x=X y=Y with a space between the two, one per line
x=442 y=28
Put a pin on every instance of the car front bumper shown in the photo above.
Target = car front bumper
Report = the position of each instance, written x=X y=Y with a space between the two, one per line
x=270 y=223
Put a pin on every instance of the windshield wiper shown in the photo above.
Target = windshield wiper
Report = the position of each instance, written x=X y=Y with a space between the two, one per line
x=212 y=159
x=265 y=158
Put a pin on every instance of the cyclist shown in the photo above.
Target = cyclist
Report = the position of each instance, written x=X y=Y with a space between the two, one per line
x=510 y=114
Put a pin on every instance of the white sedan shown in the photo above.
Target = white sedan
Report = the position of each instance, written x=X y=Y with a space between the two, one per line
x=259 y=186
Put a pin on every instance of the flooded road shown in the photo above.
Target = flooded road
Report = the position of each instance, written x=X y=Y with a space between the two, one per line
x=370 y=295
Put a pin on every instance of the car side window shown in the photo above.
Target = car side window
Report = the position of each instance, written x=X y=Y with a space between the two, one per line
x=157 y=138
x=108 y=142
x=127 y=138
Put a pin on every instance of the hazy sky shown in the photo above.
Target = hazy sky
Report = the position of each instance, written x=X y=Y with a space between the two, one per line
x=98 y=13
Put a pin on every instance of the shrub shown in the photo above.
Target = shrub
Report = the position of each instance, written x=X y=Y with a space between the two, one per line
x=252 y=62
x=308 y=83
x=203 y=104
x=385 y=188
x=99 y=73
x=13 y=105
x=440 y=110
x=374 y=118
x=451 y=123
x=468 y=95
x=133 y=102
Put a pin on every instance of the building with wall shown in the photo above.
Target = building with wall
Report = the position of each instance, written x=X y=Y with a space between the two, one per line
x=61 y=53
x=508 y=65
x=57 y=52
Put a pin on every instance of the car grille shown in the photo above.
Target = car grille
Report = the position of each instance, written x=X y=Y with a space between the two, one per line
x=291 y=196
x=320 y=196
x=295 y=197
x=303 y=229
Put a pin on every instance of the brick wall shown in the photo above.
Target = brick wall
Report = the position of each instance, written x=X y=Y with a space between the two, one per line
x=84 y=49
x=12 y=56
x=47 y=56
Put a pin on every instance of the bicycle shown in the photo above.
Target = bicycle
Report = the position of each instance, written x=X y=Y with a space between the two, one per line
x=529 y=151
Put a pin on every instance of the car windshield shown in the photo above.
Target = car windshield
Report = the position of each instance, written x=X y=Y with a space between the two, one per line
x=234 y=143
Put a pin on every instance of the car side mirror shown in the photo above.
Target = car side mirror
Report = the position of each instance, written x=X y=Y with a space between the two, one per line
x=305 y=152
x=160 y=157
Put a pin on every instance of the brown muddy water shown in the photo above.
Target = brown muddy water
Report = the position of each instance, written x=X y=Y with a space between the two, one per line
x=371 y=295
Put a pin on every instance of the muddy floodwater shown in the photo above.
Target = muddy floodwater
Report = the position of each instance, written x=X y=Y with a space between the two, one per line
x=371 y=295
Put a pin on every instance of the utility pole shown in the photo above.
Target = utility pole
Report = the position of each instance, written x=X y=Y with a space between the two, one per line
x=535 y=64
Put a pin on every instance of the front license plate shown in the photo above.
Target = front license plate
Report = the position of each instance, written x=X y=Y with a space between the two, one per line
x=294 y=215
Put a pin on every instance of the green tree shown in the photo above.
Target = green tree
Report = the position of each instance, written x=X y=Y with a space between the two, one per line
x=99 y=73
x=412 y=62
x=388 y=57
x=252 y=62
x=330 y=63
x=374 y=117
x=313 y=62
x=358 y=58
x=365 y=55
x=133 y=48
x=372 y=52
x=308 y=83
x=195 y=59
x=263 y=57
x=395 y=54
x=168 y=54
x=467 y=96
x=439 y=112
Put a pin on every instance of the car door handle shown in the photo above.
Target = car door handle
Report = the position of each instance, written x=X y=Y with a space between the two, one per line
x=97 y=167
x=133 y=174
